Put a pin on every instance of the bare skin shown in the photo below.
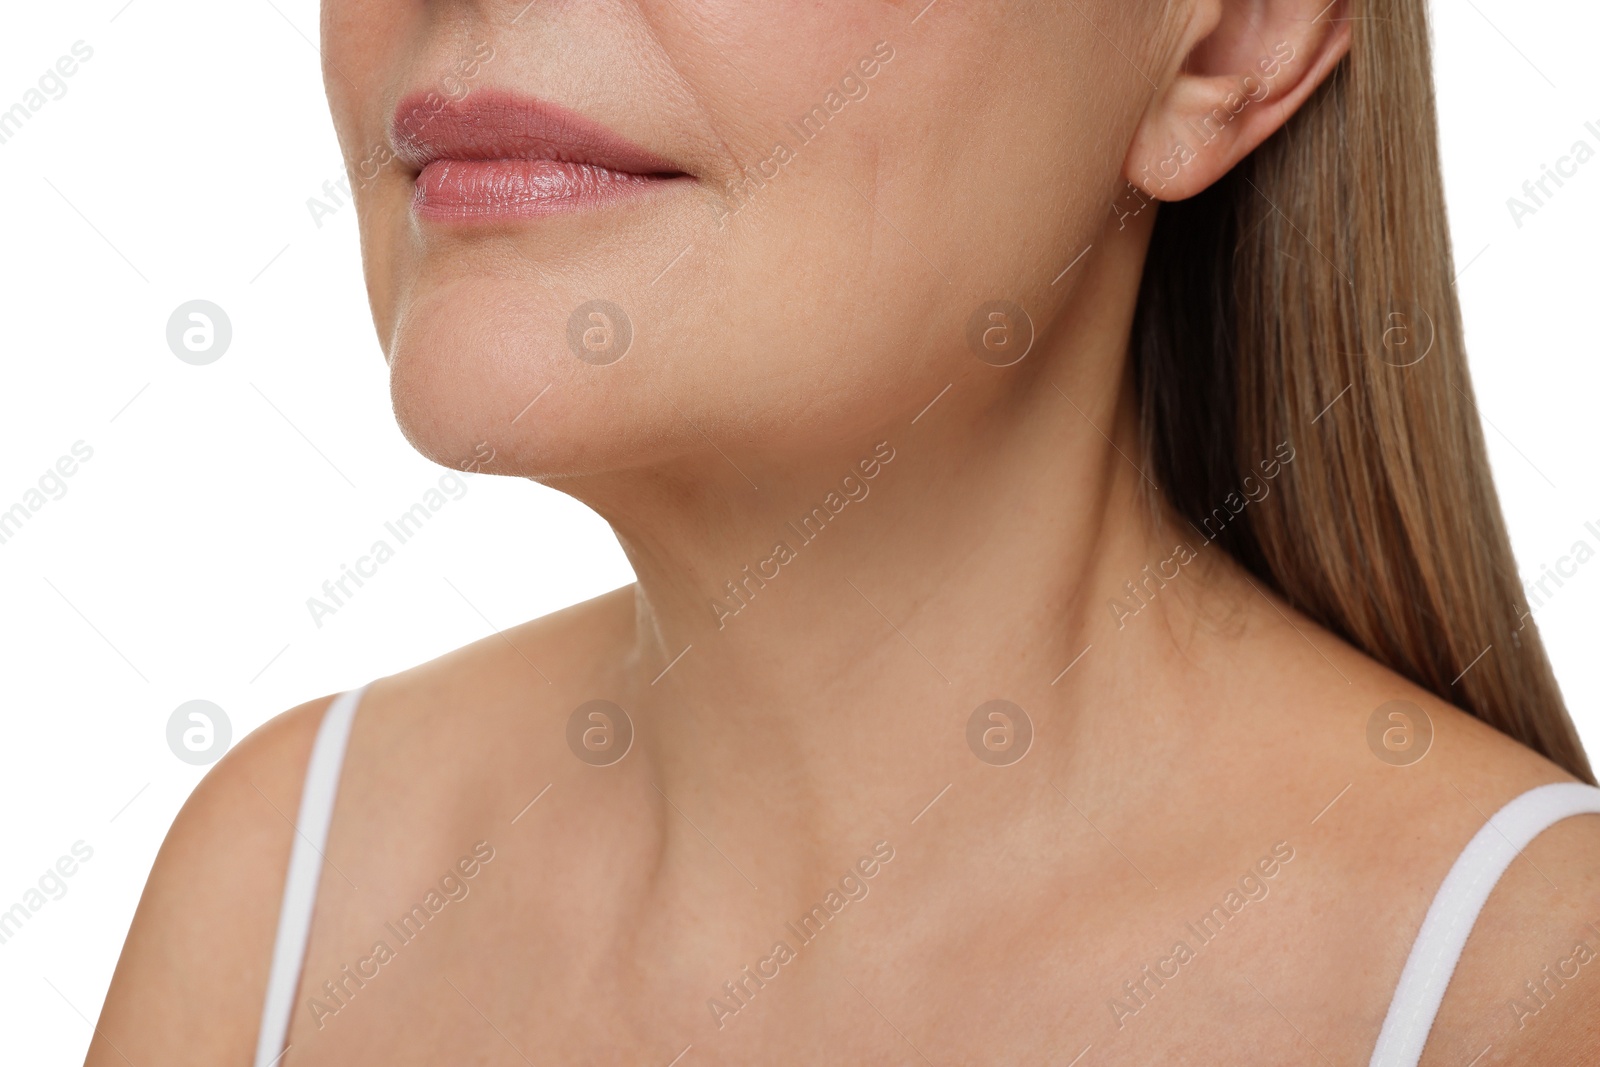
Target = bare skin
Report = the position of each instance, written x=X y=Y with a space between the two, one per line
x=1168 y=761
x=1176 y=749
x=1002 y=928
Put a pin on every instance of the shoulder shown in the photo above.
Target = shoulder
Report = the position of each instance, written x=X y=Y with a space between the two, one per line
x=438 y=731
x=421 y=762
x=1527 y=987
x=1389 y=821
x=193 y=970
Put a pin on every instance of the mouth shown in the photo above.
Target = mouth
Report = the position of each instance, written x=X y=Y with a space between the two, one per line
x=493 y=155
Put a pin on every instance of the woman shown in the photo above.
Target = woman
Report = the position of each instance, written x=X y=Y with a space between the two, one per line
x=1074 y=621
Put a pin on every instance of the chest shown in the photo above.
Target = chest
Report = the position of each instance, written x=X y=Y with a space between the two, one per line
x=501 y=981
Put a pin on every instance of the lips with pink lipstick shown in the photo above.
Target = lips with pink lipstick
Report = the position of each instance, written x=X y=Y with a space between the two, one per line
x=493 y=155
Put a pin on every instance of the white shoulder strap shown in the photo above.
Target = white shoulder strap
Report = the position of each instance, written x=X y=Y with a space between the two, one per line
x=305 y=867
x=1455 y=909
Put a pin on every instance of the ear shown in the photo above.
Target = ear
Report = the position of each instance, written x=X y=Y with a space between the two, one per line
x=1248 y=64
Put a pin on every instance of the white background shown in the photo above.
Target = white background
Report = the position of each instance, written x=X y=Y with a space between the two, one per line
x=177 y=565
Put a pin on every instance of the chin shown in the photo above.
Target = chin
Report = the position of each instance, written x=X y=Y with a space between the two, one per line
x=481 y=379
x=486 y=375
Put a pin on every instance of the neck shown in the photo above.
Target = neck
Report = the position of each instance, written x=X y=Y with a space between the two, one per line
x=833 y=619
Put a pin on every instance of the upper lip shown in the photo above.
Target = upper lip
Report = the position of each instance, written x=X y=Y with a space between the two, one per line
x=491 y=124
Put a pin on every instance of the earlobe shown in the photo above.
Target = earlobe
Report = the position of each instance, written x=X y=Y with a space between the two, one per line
x=1235 y=88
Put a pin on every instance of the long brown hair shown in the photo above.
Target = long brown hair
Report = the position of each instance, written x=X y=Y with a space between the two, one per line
x=1291 y=302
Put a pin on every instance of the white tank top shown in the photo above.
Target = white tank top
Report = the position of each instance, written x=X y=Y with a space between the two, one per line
x=1427 y=972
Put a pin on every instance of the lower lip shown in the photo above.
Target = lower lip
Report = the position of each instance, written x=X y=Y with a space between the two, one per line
x=492 y=189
